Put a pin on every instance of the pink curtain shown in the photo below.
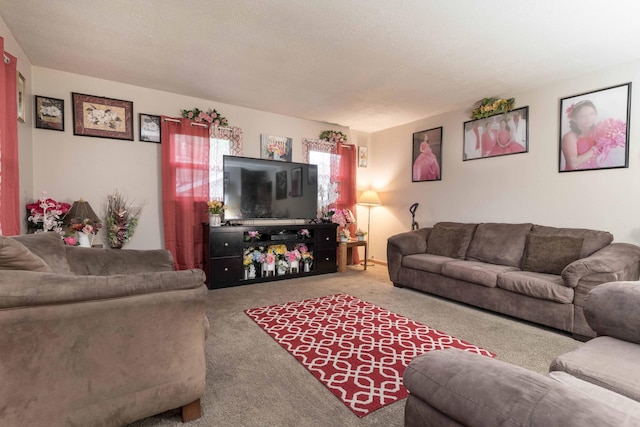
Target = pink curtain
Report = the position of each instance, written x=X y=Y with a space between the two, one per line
x=346 y=176
x=185 y=189
x=10 y=212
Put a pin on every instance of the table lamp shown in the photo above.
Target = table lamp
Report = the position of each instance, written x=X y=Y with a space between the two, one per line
x=370 y=199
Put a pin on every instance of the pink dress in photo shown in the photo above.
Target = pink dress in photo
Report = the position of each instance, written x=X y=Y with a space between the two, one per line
x=426 y=167
x=503 y=146
x=488 y=141
x=583 y=145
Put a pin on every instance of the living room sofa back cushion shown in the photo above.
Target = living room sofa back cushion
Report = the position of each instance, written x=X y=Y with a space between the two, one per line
x=15 y=256
x=592 y=240
x=550 y=253
x=498 y=243
x=450 y=239
x=49 y=247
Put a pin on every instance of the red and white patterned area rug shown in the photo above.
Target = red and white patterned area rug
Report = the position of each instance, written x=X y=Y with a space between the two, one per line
x=357 y=350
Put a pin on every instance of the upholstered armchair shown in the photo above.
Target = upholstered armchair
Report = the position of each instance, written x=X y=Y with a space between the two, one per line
x=97 y=337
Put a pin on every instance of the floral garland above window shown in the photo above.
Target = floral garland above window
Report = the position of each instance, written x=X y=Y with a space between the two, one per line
x=490 y=106
x=211 y=116
x=334 y=136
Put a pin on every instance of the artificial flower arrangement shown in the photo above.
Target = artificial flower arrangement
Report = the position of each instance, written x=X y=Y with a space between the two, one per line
x=215 y=207
x=304 y=233
x=45 y=215
x=70 y=241
x=360 y=233
x=342 y=217
x=345 y=234
x=122 y=219
x=252 y=235
x=85 y=225
x=211 y=116
x=334 y=136
x=490 y=106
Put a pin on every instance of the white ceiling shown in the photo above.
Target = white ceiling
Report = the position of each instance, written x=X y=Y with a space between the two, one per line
x=366 y=64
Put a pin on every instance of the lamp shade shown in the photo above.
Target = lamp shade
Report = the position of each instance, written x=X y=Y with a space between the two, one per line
x=80 y=210
x=369 y=198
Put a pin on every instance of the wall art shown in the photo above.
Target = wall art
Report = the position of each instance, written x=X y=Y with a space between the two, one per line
x=150 y=128
x=102 y=117
x=49 y=113
x=427 y=155
x=363 y=157
x=594 y=129
x=21 y=88
x=497 y=135
x=276 y=147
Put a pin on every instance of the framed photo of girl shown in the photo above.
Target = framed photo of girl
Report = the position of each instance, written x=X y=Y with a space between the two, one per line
x=594 y=129
x=427 y=155
x=497 y=135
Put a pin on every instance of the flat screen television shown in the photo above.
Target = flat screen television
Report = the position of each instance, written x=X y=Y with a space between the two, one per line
x=269 y=189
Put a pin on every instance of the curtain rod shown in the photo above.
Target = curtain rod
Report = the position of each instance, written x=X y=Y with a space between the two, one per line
x=167 y=119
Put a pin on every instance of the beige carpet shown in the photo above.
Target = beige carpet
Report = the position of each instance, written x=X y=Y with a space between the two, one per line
x=252 y=381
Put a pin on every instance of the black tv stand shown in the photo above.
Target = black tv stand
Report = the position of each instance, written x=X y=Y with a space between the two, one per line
x=224 y=248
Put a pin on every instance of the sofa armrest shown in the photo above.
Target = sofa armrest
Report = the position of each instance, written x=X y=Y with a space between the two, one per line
x=475 y=390
x=409 y=243
x=612 y=309
x=107 y=262
x=618 y=261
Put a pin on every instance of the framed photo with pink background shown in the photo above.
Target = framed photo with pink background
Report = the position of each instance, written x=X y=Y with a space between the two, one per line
x=427 y=155
x=594 y=129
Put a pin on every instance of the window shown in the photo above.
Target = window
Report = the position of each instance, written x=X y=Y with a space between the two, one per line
x=225 y=141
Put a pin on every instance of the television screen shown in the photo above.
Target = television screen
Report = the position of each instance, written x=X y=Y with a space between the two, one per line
x=261 y=188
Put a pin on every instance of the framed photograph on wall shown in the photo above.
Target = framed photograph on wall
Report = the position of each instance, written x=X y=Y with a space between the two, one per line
x=149 y=126
x=363 y=157
x=281 y=185
x=594 y=129
x=427 y=155
x=102 y=117
x=296 y=182
x=275 y=147
x=49 y=113
x=21 y=87
x=498 y=135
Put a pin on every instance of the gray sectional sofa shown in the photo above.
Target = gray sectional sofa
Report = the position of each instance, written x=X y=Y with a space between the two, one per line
x=536 y=273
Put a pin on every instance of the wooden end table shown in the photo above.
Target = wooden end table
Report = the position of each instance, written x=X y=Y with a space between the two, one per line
x=345 y=252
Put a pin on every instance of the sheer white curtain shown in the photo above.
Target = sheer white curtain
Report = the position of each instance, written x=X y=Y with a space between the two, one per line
x=223 y=141
x=324 y=154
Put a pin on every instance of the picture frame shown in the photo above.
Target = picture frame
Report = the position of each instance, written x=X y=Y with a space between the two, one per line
x=281 y=185
x=21 y=88
x=363 y=156
x=149 y=128
x=49 y=113
x=427 y=155
x=276 y=147
x=101 y=117
x=508 y=134
x=594 y=129
x=296 y=182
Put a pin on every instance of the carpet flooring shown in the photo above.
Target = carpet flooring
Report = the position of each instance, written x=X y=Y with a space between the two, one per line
x=252 y=381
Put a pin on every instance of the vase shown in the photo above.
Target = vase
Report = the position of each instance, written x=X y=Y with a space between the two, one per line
x=214 y=220
x=246 y=274
x=83 y=240
x=360 y=238
x=271 y=269
x=307 y=267
x=282 y=270
x=294 y=265
x=344 y=239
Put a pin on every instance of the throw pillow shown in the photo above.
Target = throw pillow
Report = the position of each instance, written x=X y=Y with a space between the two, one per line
x=15 y=256
x=551 y=254
x=445 y=241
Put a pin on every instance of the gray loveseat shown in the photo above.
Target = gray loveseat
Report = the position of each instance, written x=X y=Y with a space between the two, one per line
x=533 y=272
x=596 y=385
x=97 y=337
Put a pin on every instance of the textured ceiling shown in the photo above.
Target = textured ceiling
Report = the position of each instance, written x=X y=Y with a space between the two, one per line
x=366 y=64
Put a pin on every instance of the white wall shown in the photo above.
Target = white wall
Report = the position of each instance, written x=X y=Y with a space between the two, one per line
x=25 y=148
x=69 y=167
x=515 y=188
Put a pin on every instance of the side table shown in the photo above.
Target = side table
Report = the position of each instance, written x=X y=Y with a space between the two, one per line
x=345 y=250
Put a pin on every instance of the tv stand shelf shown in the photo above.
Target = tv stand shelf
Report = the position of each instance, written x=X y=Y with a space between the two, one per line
x=225 y=247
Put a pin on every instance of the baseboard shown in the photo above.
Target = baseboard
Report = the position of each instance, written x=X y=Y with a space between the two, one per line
x=375 y=261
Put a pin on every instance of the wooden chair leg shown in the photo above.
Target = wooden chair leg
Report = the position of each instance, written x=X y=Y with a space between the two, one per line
x=191 y=411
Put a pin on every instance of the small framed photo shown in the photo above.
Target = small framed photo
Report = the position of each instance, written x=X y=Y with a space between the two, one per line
x=49 y=113
x=21 y=87
x=296 y=182
x=281 y=185
x=149 y=126
x=276 y=147
x=497 y=135
x=427 y=155
x=363 y=157
x=594 y=129
x=102 y=117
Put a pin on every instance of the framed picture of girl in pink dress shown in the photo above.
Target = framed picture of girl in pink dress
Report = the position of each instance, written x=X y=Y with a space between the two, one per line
x=427 y=155
x=497 y=135
x=594 y=129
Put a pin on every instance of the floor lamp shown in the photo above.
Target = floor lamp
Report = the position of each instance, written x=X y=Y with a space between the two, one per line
x=370 y=199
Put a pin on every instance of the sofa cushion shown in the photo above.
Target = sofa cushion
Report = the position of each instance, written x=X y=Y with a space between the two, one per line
x=549 y=253
x=538 y=285
x=15 y=256
x=501 y=244
x=475 y=272
x=426 y=262
x=606 y=362
x=467 y=235
x=593 y=240
x=445 y=241
x=49 y=247
x=612 y=309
